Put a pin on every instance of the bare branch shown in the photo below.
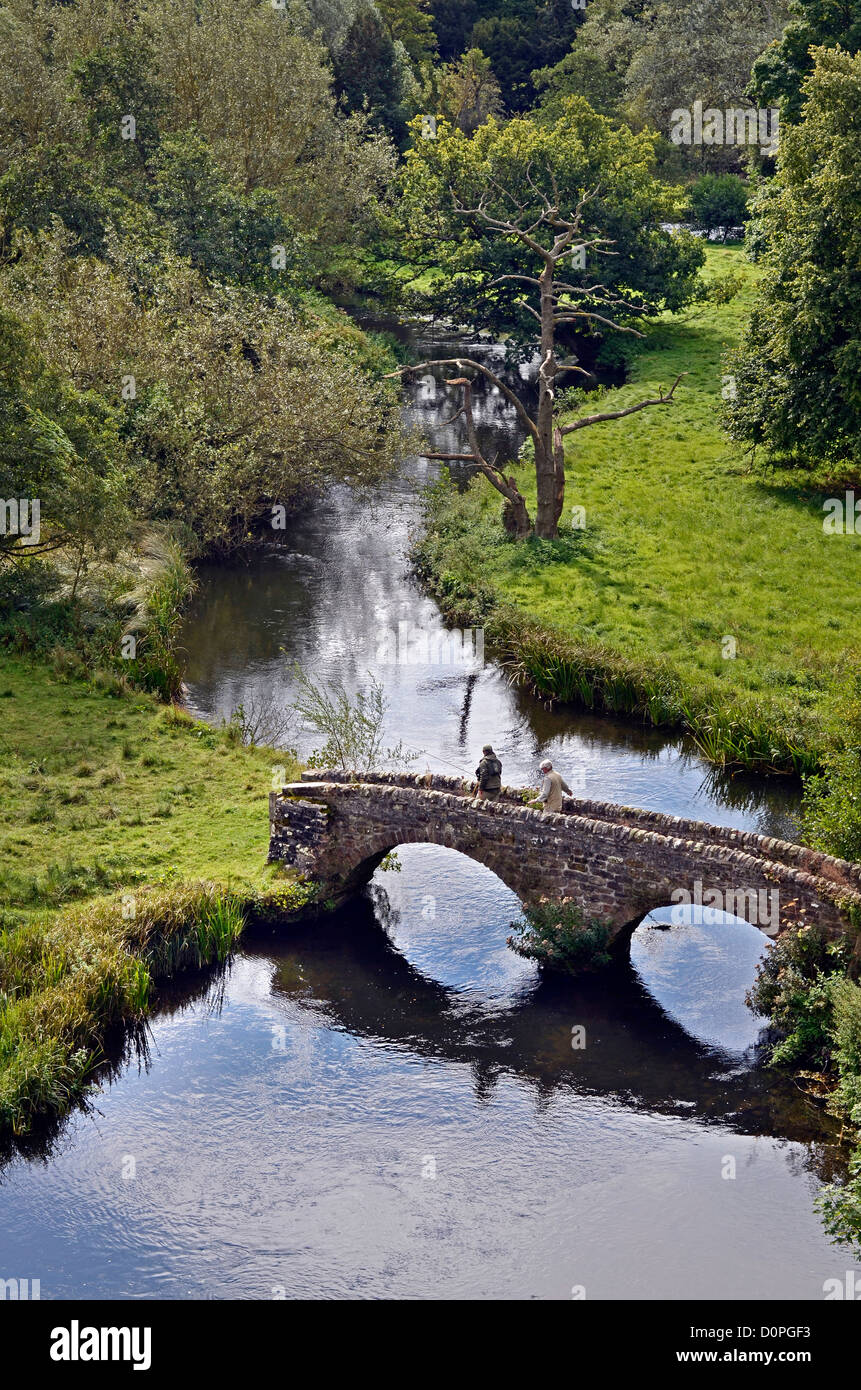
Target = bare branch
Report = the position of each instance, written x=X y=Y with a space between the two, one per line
x=574 y=314
x=587 y=420
x=458 y=458
x=462 y=362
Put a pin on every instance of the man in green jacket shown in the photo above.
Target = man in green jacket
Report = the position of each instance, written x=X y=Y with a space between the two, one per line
x=489 y=774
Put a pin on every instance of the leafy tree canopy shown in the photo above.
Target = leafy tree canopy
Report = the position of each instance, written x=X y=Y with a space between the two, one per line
x=719 y=201
x=779 y=72
x=60 y=447
x=798 y=368
x=452 y=184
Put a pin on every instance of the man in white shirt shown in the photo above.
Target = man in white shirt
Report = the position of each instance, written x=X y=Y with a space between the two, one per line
x=552 y=788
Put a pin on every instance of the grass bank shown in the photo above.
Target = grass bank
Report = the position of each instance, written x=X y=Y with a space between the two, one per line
x=100 y=788
x=688 y=597
x=133 y=844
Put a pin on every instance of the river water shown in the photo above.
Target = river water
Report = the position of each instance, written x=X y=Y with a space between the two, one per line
x=392 y=1103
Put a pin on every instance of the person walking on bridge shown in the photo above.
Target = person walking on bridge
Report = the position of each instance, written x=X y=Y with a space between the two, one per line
x=552 y=788
x=489 y=774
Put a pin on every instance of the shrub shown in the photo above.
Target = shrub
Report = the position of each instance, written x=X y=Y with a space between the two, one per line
x=846 y=1036
x=65 y=982
x=719 y=202
x=832 y=798
x=839 y=1203
x=793 y=989
x=557 y=934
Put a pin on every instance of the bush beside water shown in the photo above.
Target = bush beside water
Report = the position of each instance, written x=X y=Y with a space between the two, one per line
x=558 y=935
x=67 y=981
x=802 y=985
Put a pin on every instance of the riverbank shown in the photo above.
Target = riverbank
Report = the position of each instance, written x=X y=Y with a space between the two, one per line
x=133 y=844
x=681 y=597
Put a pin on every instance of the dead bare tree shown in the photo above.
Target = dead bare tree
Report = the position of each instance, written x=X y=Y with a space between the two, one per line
x=559 y=303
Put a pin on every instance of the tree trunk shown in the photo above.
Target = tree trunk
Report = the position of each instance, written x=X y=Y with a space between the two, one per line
x=549 y=506
x=516 y=519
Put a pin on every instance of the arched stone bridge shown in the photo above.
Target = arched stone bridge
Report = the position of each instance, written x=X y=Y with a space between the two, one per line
x=616 y=862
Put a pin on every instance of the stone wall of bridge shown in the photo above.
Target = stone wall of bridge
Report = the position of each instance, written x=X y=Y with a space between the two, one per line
x=616 y=862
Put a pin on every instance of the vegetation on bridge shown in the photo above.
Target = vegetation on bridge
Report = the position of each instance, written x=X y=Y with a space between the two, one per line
x=559 y=935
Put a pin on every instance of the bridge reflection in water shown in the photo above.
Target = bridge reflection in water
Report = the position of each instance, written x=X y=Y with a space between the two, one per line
x=353 y=976
x=294 y=1125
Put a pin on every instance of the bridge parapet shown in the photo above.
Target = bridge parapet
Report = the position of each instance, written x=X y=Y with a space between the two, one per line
x=616 y=862
x=841 y=872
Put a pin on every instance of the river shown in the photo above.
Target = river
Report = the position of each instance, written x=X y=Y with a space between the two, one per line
x=393 y=1104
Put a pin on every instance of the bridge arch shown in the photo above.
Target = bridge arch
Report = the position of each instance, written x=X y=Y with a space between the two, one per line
x=359 y=865
x=697 y=966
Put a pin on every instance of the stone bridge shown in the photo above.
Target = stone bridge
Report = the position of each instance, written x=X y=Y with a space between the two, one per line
x=617 y=863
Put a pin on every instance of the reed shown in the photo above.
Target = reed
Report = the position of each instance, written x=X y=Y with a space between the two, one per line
x=65 y=982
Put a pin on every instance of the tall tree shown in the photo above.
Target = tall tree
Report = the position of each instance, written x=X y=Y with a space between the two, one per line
x=469 y=91
x=409 y=23
x=260 y=91
x=369 y=72
x=779 y=72
x=522 y=218
x=115 y=87
x=798 y=368
x=61 y=452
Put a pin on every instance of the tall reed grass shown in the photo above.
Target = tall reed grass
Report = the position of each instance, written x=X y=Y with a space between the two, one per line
x=66 y=982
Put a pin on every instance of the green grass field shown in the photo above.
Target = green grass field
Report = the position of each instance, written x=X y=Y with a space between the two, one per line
x=687 y=554
x=100 y=793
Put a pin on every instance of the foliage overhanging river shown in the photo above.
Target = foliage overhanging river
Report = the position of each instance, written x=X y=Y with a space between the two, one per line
x=389 y=1104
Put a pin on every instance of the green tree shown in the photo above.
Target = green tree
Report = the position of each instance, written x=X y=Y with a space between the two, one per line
x=718 y=202
x=468 y=91
x=409 y=23
x=550 y=223
x=34 y=96
x=521 y=35
x=453 y=21
x=60 y=449
x=122 y=102
x=46 y=182
x=779 y=72
x=581 y=73
x=228 y=235
x=369 y=74
x=236 y=402
x=798 y=367
x=260 y=91
x=657 y=56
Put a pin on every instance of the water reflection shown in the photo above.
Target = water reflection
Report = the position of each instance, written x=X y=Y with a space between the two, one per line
x=698 y=964
x=284 y=1124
